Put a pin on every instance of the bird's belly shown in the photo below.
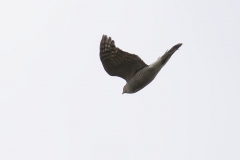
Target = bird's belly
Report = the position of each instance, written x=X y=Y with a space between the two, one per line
x=142 y=79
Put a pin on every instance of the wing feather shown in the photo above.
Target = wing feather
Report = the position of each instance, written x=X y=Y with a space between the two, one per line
x=117 y=62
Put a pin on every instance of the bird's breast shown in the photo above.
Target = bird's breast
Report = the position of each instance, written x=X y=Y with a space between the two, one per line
x=142 y=78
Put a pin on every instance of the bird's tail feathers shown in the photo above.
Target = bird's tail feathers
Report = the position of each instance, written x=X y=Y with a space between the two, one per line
x=174 y=48
x=167 y=55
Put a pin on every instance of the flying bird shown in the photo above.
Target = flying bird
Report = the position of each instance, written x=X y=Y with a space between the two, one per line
x=131 y=67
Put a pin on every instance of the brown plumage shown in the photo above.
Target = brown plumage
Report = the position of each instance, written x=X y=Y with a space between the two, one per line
x=129 y=66
x=117 y=62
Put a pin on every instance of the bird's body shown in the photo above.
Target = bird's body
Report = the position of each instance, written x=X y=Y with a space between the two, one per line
x=129 y=66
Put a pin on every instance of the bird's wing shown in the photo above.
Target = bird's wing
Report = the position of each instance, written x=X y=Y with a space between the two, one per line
x=117 y=62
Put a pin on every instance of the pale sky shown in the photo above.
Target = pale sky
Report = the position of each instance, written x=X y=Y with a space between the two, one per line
x=58 y=103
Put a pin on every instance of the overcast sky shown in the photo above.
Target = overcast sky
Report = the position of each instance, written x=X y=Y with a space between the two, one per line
x=58 y=103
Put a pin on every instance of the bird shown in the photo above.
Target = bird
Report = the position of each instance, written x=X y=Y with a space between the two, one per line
x=131 y=67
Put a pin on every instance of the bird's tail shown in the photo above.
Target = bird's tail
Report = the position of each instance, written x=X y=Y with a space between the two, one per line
x=167 y=55
x=174 y=48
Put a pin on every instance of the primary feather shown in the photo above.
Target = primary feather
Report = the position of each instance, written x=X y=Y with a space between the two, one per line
x=129 y=66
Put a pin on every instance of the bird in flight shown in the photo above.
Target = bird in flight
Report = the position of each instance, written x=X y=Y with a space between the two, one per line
x=130 y=67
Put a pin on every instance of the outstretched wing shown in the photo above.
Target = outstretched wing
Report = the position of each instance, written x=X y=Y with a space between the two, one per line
x=117 y=62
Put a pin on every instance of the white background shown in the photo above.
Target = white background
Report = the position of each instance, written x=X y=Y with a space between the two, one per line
x=58 y=103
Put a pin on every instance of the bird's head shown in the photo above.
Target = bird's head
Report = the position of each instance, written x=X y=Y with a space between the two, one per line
x=126 y=89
